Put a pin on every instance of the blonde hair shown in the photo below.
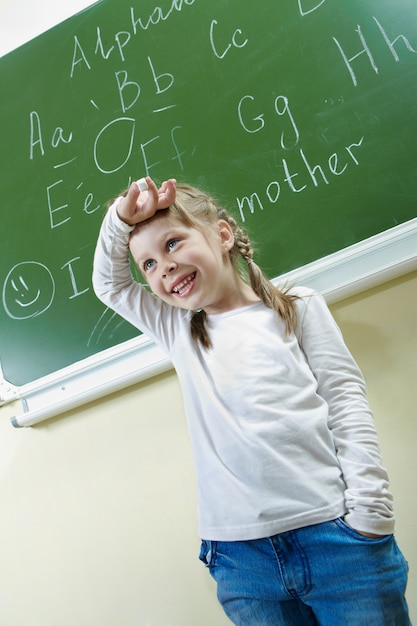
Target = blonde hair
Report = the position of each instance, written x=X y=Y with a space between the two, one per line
x=197 y=209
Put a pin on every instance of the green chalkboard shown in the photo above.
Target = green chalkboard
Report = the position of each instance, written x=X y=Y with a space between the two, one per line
x=301 y=116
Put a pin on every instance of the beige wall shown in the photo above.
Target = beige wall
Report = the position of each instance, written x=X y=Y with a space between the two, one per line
x=98 y=521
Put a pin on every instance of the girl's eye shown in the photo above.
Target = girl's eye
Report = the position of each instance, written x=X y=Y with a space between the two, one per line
x=171 y=244
x=148 y=265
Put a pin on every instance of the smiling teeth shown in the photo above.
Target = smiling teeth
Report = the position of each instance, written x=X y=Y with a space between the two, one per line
x=180 y=288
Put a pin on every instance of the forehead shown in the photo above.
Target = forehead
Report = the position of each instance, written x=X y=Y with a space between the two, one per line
x=153 y=232
x=161 y=222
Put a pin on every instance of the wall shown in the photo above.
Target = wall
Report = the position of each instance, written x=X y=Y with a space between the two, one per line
x=23 y=20
x=98 y=523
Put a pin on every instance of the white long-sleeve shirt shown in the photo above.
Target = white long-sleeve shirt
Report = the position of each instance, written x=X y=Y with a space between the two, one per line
x=281 y=429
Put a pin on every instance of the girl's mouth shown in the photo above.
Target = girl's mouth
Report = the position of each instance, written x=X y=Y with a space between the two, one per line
x=184 y=286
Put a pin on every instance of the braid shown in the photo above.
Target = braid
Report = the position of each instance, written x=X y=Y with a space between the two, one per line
x=271 y=296
x=278 y=299
x=242 y=244
x=198 y=328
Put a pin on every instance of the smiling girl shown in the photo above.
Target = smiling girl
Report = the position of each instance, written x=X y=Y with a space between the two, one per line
x=295 y=515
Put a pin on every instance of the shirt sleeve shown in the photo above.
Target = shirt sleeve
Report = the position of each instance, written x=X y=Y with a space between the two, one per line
x=341 y=384
x=115 y=285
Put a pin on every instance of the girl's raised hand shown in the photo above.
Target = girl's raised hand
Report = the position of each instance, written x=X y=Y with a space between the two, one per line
x=138 y=206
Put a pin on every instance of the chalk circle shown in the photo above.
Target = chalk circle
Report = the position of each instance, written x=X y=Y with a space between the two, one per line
x=28 y=290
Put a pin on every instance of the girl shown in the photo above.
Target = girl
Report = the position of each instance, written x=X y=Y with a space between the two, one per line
x=295 y=514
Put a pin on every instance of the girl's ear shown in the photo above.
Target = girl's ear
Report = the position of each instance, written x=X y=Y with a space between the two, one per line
x=227 y=238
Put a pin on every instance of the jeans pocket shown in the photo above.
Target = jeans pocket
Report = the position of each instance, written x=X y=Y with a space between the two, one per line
x=357 y=535
x=207 y=552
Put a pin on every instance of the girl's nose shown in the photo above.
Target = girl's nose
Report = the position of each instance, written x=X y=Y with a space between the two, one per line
x=169 y=267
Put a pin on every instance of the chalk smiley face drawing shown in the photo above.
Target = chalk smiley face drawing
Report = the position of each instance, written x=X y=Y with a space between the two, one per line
x=28 y=290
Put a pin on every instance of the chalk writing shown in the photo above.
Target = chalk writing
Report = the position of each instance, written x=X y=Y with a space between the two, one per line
x=122 y=38
x=366 y=50
x=299 y=176
x=125 y=127
x=80 y=58
x=76 y=291
x=157 y=15
x=163 y=82
x=391 y=43
x=238 y=41
x=36 y=139
x=28 y=290
x=58 y=213
x=281 y=107
x=105 y=328
x=314 y=6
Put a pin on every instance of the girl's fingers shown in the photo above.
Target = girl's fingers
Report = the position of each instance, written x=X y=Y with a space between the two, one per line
x=139 y=205
x=167 y=193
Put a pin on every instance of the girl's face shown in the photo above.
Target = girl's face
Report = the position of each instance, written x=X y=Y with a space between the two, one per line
x=185 y=267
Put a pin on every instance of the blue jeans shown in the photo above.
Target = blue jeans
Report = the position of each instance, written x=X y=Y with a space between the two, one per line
x=326 y=574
